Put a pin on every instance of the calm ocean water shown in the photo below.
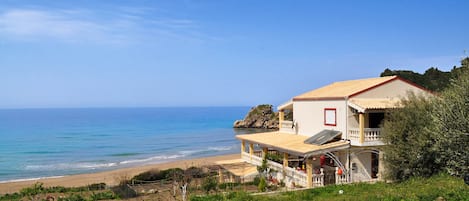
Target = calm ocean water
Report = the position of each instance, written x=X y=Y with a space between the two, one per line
x=38 y=143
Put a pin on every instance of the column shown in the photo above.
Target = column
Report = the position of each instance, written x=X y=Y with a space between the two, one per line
x=381 y=168
x=264 y=152
x=285 y=160
x=251 y=150
x=361 y=121
x=281 y=116
x=220 y=176
x=243 y=148
x=309 y=172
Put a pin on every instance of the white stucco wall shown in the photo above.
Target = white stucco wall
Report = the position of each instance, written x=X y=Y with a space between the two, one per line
x=394 y=89
x=363 y=165
x=309 y=116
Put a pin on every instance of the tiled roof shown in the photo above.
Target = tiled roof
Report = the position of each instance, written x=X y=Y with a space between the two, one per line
x=344 y=89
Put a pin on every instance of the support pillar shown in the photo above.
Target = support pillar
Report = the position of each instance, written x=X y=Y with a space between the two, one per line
x=220 y=176
x=361 y=121
x=281 y=116
x=309 y=172
x=264 y=152
x=285 y=160
x=251 y=150
x=243 y=148
x=381 y=168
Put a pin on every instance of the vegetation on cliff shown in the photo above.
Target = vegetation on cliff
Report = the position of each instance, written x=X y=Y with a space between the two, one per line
x=432 y=79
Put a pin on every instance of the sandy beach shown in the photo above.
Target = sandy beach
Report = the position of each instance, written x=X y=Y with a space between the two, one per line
x=111 y=177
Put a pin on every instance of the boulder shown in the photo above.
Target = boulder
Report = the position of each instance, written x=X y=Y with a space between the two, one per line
x=261 y=116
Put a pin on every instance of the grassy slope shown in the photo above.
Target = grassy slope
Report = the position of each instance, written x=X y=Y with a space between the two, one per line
x=450 y=188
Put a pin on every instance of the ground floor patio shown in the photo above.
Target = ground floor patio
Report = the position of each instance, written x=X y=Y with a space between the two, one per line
x=299 y=164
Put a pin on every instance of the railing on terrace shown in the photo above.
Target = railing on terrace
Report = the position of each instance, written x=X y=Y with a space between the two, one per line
x=371 y=136
x=342 y=178
x=298 y=177
x=318 y=179
x=287 y=126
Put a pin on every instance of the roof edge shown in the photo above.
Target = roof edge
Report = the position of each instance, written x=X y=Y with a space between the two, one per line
x=320 y=98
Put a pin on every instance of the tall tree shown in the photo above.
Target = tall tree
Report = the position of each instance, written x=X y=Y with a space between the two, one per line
x=409 y=133
x=453 y=122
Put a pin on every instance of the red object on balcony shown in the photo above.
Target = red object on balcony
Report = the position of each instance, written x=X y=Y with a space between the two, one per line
x=339 y=171
x=322 y=160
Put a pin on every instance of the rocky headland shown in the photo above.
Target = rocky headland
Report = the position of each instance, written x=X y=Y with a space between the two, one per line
x=261 y=116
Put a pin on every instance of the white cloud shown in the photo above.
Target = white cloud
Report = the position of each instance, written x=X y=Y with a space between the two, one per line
x=62 y=25
x=88 y=26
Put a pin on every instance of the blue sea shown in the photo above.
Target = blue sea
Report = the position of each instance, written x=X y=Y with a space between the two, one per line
x=38 y=143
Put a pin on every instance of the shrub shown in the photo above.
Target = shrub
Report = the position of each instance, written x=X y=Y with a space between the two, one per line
x=225 y=186
x=209 y=183
x=37 y=188
x=152 y=175
x=73 y=197
x=195 y=172
x=124 y=191
x=108 y=195
x=262 y=185
x=97 y=186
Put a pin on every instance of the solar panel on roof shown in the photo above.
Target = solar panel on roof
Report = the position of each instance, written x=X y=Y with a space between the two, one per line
x=323 y=137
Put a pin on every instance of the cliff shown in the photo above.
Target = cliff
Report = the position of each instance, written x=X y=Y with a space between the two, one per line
x=261 y=116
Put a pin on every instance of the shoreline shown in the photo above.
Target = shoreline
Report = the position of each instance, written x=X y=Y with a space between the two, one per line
x=110 y=177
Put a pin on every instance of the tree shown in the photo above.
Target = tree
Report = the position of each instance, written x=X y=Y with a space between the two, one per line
x=453 y=123
x=429 y=135
x=409 y=133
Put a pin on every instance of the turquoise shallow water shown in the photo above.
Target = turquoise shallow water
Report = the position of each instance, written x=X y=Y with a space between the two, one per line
x=38 y=143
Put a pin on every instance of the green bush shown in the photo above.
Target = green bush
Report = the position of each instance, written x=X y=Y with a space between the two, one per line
x=124 y=191
x=195 y=172
x=36 y=189
x=11 y=197
x=152 y=175
x=73 y=197
x=262 y=185
x=230 y=186
x=210 y=183
x=107 y=195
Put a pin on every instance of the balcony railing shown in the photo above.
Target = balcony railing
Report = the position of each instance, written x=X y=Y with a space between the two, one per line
x=287 y=126
x=372 y=136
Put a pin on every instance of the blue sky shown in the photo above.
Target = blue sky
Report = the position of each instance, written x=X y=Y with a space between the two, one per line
x=213 y=53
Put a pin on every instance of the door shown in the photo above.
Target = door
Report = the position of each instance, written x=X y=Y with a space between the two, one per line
x=374 y=165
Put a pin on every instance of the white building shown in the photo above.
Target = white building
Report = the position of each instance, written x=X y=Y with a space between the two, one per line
x=334 y=135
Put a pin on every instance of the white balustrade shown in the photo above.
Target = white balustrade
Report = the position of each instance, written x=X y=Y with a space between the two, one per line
x=371 y=135
x=340 y=178
x=318 y=179
x=287 y=126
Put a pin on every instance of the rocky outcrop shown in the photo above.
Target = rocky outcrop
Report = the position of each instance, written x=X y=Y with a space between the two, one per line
x=261 y=116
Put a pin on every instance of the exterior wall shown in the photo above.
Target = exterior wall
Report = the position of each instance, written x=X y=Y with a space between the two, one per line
x=362 y=171
x=309 y=116
x=394 y=89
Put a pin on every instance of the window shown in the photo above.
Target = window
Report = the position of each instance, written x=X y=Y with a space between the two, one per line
x=330 y=118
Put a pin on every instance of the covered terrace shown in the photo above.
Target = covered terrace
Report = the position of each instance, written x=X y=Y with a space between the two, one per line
x=297 y=156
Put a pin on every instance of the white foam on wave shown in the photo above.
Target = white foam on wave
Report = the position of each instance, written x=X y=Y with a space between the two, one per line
x=180 y=154
x=153 y=158
x=70 y=166
x=30 y=179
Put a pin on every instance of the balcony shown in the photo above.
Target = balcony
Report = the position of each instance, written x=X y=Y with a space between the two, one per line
x=287 y=127
x=371 y=137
